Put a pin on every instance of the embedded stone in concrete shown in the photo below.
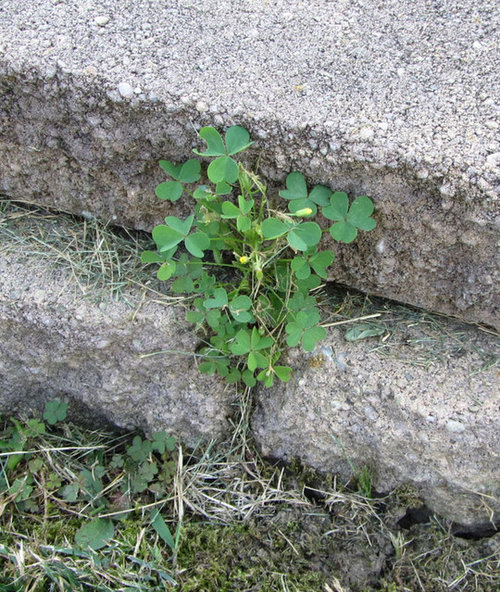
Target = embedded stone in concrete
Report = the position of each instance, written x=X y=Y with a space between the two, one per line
x=56 y=342
x=395 y=100
x=435 y=427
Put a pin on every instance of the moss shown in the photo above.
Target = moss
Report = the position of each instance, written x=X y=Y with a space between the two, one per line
x=244 y=557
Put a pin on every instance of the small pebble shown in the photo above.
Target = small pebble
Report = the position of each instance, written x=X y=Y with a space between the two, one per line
x=102 y=20
x=455 y=426
x=125 y=90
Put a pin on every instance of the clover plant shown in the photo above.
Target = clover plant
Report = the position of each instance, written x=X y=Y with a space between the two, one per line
x=249 y=263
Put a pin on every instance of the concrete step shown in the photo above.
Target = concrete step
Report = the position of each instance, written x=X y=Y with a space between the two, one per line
x=395 y=100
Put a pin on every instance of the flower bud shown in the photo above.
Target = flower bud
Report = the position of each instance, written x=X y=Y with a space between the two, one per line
x=304 y=212
x=243 y=259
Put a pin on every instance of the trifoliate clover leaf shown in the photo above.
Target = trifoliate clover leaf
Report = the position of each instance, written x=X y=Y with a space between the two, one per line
x=139 y=449
x=161 y=442
x=55 y=411
x=305 y=329
x=349 y=219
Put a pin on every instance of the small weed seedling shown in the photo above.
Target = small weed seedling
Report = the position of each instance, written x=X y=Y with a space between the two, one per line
x=250 y=266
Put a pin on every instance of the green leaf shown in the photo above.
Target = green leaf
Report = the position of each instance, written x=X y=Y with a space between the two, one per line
x=229 y=210
x=244 y=205
x=234 y=376
x=301 y=268
x=241 y=345
x=140 y=449
x=151 y=257
x=223 y=188
x=243 y=224
x=267 y=377
x=361 y=207
x=320 y=261
x=248 y=378
x=55 y=411
x=296 y=187
x=339 y=204
x=190 y=171
x=171 y=190
x=166 y=237
x=304 y=235
x=162 y=442
x=240 y=307
x=171 y=169
x=162 y=528
x=70 y=491
x=320 y=195
x=237 y=139
x=180 y=226
x=311 y=282
x=166 y=271
x=312 y=336
x=343 y=232
x=257 y=360
x=365 y=223
x=215 y=144
x=218 y=300
x=284 y=373
x=197 y=243
x=223 y=168
x=195 y=316
x=95 y=534
x=272 y=228
x=363 y=332
x=183 y=285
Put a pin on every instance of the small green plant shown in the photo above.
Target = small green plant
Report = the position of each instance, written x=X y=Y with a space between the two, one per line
x=249 y=265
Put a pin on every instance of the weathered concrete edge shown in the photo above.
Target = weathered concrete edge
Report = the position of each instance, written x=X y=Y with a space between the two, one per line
x=102 y=356
x=62 y=131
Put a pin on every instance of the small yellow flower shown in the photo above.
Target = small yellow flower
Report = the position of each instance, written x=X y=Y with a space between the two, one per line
x=243 y=259
x=304 y=212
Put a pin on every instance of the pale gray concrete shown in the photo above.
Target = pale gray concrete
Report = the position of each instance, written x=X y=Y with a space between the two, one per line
x=394 y=99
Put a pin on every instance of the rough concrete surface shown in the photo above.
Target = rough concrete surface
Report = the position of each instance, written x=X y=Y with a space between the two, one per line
x=436 y=426
x=393 y=99
x=55 y=342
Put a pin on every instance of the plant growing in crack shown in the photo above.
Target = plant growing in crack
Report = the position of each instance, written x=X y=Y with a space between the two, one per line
x=250 y=267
